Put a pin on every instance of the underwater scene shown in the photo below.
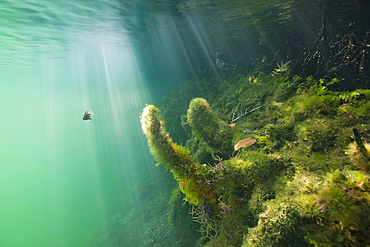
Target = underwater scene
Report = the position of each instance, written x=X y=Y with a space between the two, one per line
x=185 y=123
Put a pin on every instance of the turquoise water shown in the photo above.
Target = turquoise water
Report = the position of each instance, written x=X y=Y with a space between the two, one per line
x=63 y=178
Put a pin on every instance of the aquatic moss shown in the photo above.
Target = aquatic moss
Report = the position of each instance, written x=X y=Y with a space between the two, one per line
x=358 y=158
x=318 y=135
x=343 y=209
x=207 y=126
x=176 y=158
x=355 y=105
x=277 y=226
x=318 y=105
x=304 y=177
x=161 y=144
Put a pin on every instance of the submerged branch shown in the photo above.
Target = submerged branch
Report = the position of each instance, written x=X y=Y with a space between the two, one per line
x=236 y=117
x=360 y=145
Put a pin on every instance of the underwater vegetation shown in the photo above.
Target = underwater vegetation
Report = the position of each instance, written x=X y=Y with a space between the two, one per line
x=190 y=175
x=270 y=161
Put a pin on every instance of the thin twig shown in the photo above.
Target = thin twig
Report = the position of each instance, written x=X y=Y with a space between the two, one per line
x=242 y=114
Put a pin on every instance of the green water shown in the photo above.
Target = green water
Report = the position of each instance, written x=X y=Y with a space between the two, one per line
x=62 y=178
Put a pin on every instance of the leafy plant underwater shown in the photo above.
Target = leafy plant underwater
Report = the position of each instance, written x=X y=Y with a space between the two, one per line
x=303 y=183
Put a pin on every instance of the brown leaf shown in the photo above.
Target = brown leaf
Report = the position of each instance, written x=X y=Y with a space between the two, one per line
x=244 y=143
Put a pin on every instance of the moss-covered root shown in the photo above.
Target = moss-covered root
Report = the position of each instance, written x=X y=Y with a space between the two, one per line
x=161 y=145
x=177 y=158
x=207 y=126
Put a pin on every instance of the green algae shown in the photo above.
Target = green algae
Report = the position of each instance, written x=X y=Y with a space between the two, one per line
x=303 y=183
